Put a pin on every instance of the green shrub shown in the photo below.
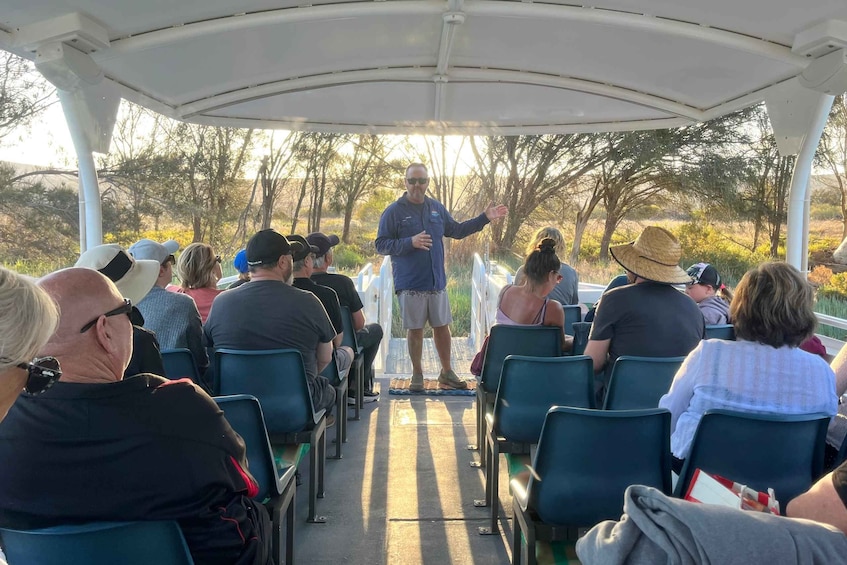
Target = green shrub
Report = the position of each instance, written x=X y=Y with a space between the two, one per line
x=348 y=257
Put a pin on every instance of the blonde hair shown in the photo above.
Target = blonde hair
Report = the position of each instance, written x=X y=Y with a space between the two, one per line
x=28 y=317
x=547 y=232
x=195 y=266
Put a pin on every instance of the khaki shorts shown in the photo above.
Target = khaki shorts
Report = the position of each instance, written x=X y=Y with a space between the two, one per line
x=419 y=307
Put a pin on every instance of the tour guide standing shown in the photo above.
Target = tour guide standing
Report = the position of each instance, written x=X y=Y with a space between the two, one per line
x=411 y=231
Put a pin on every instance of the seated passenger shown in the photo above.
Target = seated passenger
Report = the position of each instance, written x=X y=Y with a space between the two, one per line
x=173 y=316
x=706 y=289
x=648 y=317
x=566 y=290
x=529 y=303
x=240 y=264
x=269 y=313
x=199 y=271
x=28 y=318
x=368 y=336
x=134 y=280
x=303 y=260
x=763 y=371
x=95 y=447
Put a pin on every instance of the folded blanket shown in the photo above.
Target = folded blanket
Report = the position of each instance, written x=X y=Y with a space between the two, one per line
x=658 y=529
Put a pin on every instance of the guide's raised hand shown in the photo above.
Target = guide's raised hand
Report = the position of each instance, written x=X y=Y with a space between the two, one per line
x=422 y=241
x=495 y=212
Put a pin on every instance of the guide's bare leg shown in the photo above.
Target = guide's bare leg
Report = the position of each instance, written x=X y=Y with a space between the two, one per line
x=414 y=341
x=443 y=342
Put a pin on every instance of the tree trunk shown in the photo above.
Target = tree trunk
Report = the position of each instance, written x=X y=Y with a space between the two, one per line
x=608 y=231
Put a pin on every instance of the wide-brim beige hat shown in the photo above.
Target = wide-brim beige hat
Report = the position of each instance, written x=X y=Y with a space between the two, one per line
x=134 y=278
x=653 y=256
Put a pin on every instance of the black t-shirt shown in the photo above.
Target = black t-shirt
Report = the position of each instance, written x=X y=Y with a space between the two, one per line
x=269 y=314
x=839 y=482
x=140 y=449
x=343 y=287
x=328 y=298
x=648 y=319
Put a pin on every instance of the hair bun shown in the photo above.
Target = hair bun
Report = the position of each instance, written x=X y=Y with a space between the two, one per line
x=547 y=245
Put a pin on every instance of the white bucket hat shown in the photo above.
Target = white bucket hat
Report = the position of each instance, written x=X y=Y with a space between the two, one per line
x=134 y=279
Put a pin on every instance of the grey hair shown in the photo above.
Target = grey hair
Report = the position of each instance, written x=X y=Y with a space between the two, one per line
x=322 y=261
x=298 y=265
x=28 y=317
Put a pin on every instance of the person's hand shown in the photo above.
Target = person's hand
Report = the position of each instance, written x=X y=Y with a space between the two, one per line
x=495 y=212
x=422 y=241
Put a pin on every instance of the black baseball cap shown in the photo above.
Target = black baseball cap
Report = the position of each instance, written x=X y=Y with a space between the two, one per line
x=267 y=246
x=302 y=253
x=323 y=242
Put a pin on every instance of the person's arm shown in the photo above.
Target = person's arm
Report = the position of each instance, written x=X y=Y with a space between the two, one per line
x=358 y=319
x=459 y=230
x=678 y=398
x=194 y=338
x=555 y=316
x=388 y=241
x=598 y=350
x=324 y=355
x=839 y=366
x=820 y=503
x=336 y=341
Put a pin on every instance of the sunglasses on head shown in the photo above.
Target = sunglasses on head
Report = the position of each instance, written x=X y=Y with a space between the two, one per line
x=125 y=308
x=42 y=373
x=414 y=181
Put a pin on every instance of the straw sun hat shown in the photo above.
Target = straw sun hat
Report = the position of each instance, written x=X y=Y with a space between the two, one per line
x=654 y=256
x=134 y=279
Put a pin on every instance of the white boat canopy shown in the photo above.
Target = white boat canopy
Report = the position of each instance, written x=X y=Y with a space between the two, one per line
x=439 y=67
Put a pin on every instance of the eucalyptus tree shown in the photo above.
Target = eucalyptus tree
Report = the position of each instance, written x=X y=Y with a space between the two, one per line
x=832 y=155
x=523 y=172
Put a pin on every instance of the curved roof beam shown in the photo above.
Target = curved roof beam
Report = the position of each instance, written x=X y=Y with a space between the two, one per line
x=424 y=74
x=435 y=128
x=653 y=24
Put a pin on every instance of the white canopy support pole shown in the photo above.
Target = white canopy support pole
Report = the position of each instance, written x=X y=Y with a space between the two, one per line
x=90 y=214
x=798 y=201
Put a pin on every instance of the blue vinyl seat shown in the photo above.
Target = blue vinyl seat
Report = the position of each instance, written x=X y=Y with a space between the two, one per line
x=277 y=487
x=581 y=331
x=529 y=387
x=533 y=341
x=358 y=369
x=639 y=382
x=278 y=379
x=573 y=314
x=720 y=331
x=584 y=462
x=98 y=543
x=779 y=451
x=180 y=364
x=340 y=383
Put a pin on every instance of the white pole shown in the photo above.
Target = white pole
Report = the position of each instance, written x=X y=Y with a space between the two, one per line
x=90 y=214
x=798 y=200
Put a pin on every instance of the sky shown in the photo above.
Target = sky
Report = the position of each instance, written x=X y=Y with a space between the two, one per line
x=46 y=142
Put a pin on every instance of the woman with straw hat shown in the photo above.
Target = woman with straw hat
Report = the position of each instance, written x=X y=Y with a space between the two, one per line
x=648 y=317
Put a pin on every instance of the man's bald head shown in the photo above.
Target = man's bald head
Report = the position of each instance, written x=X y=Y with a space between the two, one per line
x=102 y=353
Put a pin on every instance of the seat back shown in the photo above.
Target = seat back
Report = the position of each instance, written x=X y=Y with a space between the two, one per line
x=179 y=364
x=639 y=382
x=720 y=331
x=277 y=378
x=581 y=331
x=783 y=452
x=533 y=341
x=573 y=314
x=530 y=386
x=98 y=543
x=587 y=458
x=244 y=414
x=349 y=338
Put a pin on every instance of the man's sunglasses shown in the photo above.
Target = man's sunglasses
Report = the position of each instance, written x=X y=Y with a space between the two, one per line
x=42 y=373
x=125 y=308
x=415 y=181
